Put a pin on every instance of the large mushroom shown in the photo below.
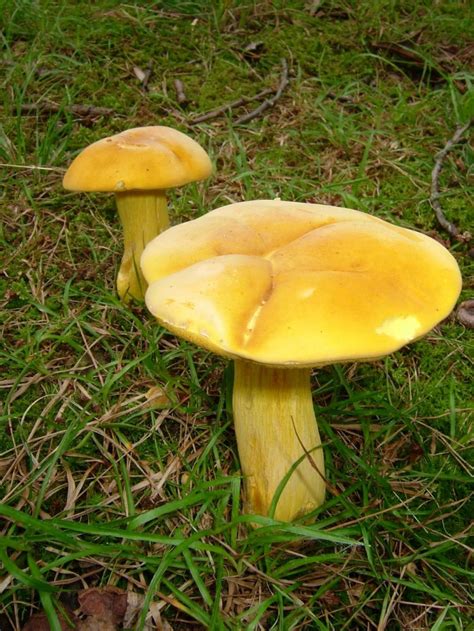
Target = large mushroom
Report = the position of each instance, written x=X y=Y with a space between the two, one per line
x=283 y=287
x=138 y=165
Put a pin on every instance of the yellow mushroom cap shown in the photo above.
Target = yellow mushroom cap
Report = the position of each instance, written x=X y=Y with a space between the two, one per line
x=284 y=283
x=143 y=158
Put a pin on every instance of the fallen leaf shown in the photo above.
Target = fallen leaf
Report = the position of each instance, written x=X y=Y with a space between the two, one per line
x=40 y=622
x=108 y=603
x=465 y=313
x=105 y=609
x=91 y=623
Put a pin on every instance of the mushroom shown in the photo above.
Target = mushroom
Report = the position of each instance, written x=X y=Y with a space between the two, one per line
x=138 y=165
x=284 y=287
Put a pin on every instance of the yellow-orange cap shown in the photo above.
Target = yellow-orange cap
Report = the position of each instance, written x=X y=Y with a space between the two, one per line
x=285 y=283
x=143 y=158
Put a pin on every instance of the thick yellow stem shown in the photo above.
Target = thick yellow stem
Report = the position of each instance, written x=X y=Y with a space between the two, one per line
x=274 y=418
x=143 y=215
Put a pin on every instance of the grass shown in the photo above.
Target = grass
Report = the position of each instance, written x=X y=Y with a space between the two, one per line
x=97 y=486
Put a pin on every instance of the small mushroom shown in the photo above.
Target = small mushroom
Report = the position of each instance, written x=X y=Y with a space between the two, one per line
x=281 y=288
x=138 y=165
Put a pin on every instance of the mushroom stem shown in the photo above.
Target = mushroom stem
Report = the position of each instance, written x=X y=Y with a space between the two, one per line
x=144 y=215
x=274 y=418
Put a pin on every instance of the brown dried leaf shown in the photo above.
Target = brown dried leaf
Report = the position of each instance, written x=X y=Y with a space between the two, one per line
x=91 y=623
x=106 y=609
x=39 y=622
x=465 y=313
x=107 y=604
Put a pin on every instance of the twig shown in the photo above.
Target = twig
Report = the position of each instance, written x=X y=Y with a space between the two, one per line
x=268 y=102
x=179 y=87
x=46 y=107
x=230 y=106
x=435 y=194
x=247 y=99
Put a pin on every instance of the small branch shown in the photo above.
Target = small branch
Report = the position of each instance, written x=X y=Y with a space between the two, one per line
x=435 y=194
x=218 y=111
x=83 y=111
x=230 y=106
x=268 y=102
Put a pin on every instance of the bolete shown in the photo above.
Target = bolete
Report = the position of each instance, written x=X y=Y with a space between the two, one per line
x=282 y=287
x=138 y=165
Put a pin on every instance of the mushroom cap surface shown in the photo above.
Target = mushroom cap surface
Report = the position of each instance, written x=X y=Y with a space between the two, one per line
x=291 y=284
x=143 y=158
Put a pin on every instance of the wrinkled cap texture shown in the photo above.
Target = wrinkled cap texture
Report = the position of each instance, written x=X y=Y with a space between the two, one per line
x=285 y=283
x=142 y=158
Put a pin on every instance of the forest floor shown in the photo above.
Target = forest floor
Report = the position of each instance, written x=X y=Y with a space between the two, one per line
x=99 y=487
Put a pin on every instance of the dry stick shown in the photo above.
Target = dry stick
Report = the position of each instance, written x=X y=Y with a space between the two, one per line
x=247 y=99
x=268 y=102
x=230 y=106
x=435 y=194
x=53 y=108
